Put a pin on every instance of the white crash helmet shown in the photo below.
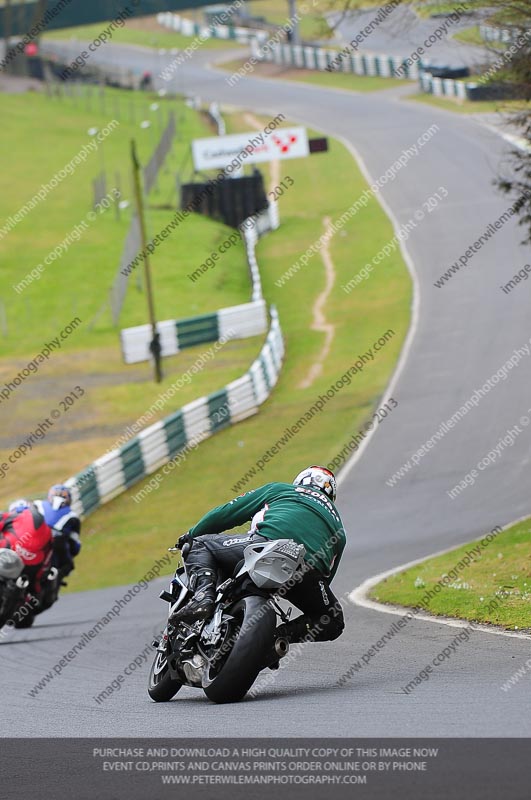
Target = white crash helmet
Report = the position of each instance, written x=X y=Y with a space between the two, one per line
x=320 y=477
x=18 y=505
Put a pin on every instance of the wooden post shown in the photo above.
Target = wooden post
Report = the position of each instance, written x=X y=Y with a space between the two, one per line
x=155 y=342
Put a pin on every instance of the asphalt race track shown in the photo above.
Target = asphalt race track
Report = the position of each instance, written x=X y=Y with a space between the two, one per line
x=462 y=335
x=402 y=31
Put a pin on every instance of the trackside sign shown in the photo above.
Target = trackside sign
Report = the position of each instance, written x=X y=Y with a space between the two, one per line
x=252 y=148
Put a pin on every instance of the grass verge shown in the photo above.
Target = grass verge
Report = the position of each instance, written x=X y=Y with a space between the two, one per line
x=336 y=80
x=426 y=10
x=498 y=578
x=465 y=106
x=470 y=36
x=312 y=26
x=122 y=539
x=145 y=32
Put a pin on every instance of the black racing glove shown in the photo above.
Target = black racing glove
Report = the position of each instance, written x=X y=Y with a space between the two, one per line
x=185 y=539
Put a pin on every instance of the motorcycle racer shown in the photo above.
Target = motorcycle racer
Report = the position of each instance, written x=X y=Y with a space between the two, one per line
x=26 y=533
x=65 y=525
x=304 y=511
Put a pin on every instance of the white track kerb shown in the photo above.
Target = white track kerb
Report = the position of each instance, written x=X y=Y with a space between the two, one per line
x=359 y=597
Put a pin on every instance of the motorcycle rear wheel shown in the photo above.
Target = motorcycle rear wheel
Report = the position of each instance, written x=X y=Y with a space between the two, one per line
x=25 y=622
x=161 y=686
x=253 y=631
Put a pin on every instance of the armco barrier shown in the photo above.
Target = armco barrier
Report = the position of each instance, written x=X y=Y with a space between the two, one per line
x=317 y=58
x=172 y=438
x=249 y=319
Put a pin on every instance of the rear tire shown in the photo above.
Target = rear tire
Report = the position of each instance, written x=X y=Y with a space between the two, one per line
x=25 y=622
x=162 y=687
x=254 y=631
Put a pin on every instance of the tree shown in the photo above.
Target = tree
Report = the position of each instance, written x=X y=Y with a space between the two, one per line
x=7 y=25
x=515 y=70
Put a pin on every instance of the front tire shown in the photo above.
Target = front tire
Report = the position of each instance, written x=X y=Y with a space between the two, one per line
x=162 y=687
x=8 y=605
x=253 y=630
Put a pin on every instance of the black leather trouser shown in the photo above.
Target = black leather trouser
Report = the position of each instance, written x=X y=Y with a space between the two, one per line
x=219 y=552
x=312 y=595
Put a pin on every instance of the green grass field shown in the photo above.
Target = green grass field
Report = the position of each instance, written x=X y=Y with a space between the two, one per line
x=312 y=25
x=428 y=9
x=499 y=576
x=145 y=32
x=470 y=36
x=78 y=283
x=465 y=106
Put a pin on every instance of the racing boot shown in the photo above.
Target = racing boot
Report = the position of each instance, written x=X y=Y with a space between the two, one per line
x=201 y=606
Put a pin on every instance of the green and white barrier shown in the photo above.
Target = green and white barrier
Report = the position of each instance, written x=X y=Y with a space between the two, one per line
x=263 y=222
x=465 y=90
x=188 y=27
x=249 y=319
x=490 y=33
x=170 y=439
x=318 y=58
x=444 y=87
x=216 y=116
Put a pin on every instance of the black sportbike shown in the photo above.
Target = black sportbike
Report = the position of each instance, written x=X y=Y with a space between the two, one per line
x=224 y=654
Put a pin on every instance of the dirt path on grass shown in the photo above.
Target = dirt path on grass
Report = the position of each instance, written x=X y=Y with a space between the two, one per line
x=319 y=322
x=319 y=319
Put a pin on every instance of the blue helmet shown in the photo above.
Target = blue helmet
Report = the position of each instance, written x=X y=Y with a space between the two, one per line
x=59 y=496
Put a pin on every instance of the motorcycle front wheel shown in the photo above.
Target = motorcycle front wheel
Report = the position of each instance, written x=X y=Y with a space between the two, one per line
x=161 y=686
x=8 y=604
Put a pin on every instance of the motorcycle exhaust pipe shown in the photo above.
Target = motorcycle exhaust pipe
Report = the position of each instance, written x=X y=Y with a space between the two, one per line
x=281 y=647
x=279 y=650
